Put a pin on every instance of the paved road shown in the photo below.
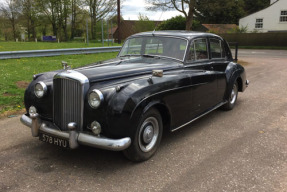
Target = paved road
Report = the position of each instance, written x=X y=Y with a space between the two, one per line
x=241 y=150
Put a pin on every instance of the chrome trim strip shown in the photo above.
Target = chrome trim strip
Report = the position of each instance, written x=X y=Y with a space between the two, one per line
x=104 y=143
x=74 y=75
x=82 y=138
x=45 y=129
x=217 y=106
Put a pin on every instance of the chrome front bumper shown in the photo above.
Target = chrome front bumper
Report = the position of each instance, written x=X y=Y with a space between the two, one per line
x=75 y=138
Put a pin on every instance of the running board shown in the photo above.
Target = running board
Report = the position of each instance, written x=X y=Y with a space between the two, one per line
x=216 y=107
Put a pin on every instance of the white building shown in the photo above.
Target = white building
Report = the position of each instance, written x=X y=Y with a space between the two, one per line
x=270 y=19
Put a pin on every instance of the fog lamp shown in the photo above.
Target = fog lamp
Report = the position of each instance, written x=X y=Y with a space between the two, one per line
x=96 y=128
x=32 y=111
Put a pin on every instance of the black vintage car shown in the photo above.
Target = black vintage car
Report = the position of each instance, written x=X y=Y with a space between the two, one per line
x=160 y=81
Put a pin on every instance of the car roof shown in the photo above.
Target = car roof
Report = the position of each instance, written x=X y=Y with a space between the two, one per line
x=182 y=34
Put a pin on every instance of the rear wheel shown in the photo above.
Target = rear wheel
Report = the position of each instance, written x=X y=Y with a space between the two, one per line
x=146 y=138
x=232 y=98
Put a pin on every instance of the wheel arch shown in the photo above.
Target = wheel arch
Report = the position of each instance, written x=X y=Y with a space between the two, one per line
x=234 y=73
x=239 y=83
x=158 y=105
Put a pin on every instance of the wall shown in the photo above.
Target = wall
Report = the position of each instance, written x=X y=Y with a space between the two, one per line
x=271 y=18
x=257 y=39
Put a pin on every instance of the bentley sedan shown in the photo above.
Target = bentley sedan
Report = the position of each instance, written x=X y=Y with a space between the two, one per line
x=160 y=81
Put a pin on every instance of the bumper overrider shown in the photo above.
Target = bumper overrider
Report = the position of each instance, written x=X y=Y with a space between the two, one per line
x=75 y=138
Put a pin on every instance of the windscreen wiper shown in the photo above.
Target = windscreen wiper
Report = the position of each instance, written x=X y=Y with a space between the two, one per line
x=151 y=56
x=128 y=55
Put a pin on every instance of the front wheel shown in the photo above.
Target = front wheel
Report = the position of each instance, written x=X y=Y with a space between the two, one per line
x=232 y=98
x=146 y=138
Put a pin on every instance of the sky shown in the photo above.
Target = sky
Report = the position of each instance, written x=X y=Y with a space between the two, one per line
x=132 y=8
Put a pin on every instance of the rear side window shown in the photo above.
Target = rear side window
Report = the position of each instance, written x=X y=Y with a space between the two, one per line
x=198 y=50
x=217 y=49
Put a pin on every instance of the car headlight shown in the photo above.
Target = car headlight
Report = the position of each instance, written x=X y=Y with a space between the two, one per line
x=40 y=89
x=95 y=98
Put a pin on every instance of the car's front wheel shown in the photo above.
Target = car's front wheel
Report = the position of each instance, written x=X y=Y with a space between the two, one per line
x=232 y=98
x=146 y=138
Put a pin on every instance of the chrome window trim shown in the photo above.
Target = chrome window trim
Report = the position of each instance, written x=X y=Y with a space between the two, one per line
x=192 y=43
x=165 y=36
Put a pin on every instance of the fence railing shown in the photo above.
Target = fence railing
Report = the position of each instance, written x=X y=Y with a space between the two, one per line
x=56 y=52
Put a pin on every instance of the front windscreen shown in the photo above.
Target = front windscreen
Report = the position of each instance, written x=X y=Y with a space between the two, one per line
x=155 y=46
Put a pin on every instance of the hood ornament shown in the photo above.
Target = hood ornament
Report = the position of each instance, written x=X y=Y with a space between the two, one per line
x=65 y=65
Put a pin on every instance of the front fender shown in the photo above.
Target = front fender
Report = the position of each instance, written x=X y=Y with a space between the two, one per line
x=126 y=106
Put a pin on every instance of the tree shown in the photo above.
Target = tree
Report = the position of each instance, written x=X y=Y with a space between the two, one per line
x=50 y=9
x=99 y=9
x=29 y=11
x=75 y=12
x=144 y=24
x=220 y=11
x=177 y=23
x=174 y=23
x=251 y=6
x=57 y=12
x=186 y=7
x=11 y=11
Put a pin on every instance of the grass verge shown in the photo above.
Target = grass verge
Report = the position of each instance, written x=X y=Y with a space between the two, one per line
x=17 y=73
x=20 y=46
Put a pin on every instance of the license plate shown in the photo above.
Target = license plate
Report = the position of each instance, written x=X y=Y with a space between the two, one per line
x=53 y=140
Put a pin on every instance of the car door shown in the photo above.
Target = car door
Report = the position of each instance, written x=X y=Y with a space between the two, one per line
x=204 y=81
x=219 y=62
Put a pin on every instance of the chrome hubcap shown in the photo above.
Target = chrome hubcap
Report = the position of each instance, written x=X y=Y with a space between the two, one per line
x=148 y=134
x=233 y=94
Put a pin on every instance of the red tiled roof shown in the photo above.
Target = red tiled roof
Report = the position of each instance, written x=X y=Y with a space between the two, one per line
x=220 y=28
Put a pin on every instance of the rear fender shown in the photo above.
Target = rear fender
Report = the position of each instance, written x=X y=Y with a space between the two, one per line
x=234 y=73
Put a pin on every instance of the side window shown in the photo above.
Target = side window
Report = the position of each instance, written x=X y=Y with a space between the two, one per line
x=217 y=49
x=198 y=50
x=200 y=46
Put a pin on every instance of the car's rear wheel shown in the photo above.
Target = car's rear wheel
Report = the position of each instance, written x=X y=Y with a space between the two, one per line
x=146 y=138
x=232 y=98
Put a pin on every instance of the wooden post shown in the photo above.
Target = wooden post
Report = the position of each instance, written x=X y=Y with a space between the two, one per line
x=119 y=21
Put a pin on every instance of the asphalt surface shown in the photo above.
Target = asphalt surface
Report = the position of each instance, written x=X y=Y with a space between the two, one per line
x=241 y=150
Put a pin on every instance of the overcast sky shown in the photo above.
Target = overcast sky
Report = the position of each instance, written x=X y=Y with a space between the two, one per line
x=132 y=8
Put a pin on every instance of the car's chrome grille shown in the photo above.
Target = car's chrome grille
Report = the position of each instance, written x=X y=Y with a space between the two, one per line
x=68 y=101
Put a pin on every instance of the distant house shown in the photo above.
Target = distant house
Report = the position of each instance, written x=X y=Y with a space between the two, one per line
x=217 y=28
x=270 y=19
x=128 y=28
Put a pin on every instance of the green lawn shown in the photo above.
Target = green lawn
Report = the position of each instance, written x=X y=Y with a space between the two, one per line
x=19 y=72
x=19 y=46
